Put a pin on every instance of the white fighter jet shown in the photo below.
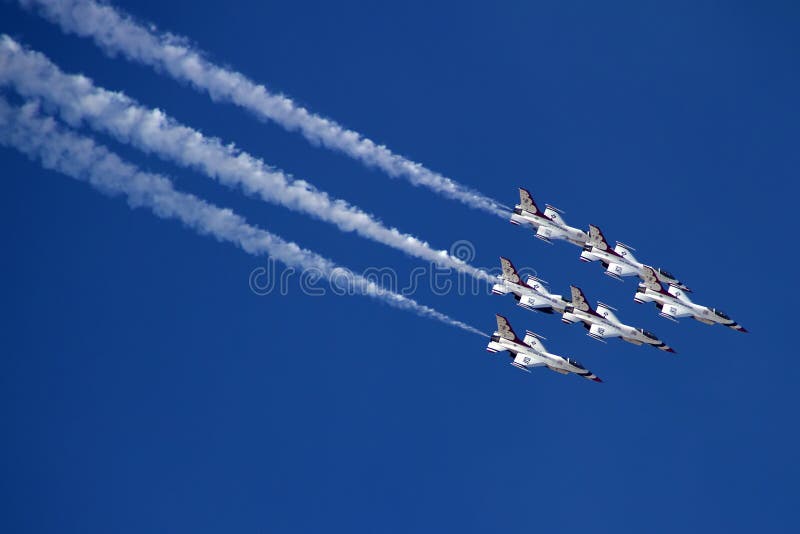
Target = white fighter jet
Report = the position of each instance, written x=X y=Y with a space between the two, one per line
x=548 y=224
x=674 y=303
x=529 y=352
x=530 y=294
x=619 y=261
x=603 y=324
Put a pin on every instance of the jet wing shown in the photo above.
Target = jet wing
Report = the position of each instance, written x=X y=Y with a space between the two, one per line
x=625 y=251
x=521 y=361
x=603 y=332
x=674 y=310
x=532 y=302
x=678 y=293
x=554 y=215
x=621 y=269
x=534 y=341
x=607 y=311
x=546 y=233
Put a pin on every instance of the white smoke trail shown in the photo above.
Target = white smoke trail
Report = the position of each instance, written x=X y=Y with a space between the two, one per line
x=117 y=33
x=77 y=99
x=42 y=139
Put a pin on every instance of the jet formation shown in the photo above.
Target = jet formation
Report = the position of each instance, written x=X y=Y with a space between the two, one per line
x=529 y=352
x=601 y=322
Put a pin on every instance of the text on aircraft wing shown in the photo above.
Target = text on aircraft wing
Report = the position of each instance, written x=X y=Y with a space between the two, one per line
x=673 y=311
x=525 y=363
x=602 y=332
x=620 y=269
x=532 y=302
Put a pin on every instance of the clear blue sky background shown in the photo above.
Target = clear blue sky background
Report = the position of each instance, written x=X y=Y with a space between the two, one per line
x=144 y=388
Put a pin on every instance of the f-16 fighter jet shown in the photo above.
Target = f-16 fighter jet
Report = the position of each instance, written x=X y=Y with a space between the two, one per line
x=530 y=294
x=529 y=352
x=603 y=324
x=674 y=303
x=619 y=261
x=549 y=224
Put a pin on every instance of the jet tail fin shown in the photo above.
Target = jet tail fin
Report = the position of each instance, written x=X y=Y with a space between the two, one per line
x=597 y=238
x=650 y=280
x=510 y=272
x=579 y=300
x=504 y=329
x=526 y=202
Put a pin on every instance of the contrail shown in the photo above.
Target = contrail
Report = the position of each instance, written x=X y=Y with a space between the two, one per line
x=117 y=33
x=77 y=99
x=58 y=149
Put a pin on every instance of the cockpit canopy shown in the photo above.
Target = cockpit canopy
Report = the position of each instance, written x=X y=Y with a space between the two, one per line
x=518 y=211
x=575 y=363
x=721 y=313
x=648 y=334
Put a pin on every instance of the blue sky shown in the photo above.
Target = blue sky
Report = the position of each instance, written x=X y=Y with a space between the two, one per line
x=144 y=387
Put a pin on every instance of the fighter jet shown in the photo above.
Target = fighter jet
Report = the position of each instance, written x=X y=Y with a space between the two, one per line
x=619 y=261
x=531 y=294
x=548 y=224
x=674 y=303
x=603 y=324
x=529 y=352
